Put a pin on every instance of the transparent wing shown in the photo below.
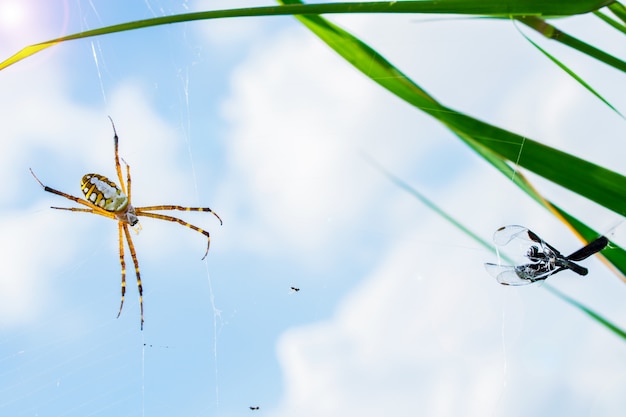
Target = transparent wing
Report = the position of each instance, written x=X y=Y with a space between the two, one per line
x=522 y=237
x=506 y=234
x=506 y=275
x=514 y=275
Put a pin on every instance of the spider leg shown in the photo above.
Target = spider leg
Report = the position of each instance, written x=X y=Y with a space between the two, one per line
x=139 y=212
x=93 y=211
x=133 y=254
x=123 y=264
x=206 y=209
x=74 y=209
x=118 y=167
x=127 y=179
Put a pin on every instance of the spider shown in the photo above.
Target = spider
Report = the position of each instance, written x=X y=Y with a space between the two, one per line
x=105 y=198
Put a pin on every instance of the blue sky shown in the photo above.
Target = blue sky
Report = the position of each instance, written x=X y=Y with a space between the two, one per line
x=260 y=121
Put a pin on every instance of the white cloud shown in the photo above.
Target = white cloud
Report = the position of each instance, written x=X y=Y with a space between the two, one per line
x=401 y=342
x=294 y=148
x=233 y=34
x=35 y=246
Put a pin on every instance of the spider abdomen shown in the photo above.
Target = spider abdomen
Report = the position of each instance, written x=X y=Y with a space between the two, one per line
x=104 y=193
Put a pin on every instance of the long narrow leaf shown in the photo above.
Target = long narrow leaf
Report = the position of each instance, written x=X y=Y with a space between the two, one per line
x=553 y=33
x=618 y=10
x=406 y=187
x=617 y=25
x=600 y=319
x=571 y=74
x=502 y=8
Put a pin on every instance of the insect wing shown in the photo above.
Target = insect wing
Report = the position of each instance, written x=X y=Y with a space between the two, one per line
x=506 y=274
x=507 y=234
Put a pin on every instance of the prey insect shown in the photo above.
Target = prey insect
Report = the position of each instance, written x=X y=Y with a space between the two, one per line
x=541 y=260
x=103 y=197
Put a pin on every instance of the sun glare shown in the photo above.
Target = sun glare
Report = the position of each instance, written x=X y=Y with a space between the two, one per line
x=12 y=14
x=23 y=22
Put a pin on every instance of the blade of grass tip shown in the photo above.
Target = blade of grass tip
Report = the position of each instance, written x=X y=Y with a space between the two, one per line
x=611 y=22
x=406 y=187
x=618 y=10
x=26 y=52
x=570 y=72
x=552 y=33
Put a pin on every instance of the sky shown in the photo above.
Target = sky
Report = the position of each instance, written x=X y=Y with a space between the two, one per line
x=259 y=120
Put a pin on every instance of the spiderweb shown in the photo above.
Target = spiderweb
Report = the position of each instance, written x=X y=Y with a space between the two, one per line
x=403 y=312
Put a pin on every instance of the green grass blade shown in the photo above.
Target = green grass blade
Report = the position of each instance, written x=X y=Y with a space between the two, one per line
x=551 y=32
x=597 y=183
x=618 y=10
x=597 y=317
x=486 y=7
x=611 y=22
x=406 y=187
x=572 y=74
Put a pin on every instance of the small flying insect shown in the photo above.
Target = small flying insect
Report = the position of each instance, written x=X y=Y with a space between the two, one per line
x=540 y=260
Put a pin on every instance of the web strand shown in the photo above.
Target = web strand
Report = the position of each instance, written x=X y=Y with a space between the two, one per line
x=95 y=60
x=519 y=154
x=216 y=311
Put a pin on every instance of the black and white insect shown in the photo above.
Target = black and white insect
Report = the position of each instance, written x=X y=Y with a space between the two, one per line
x=540 y=259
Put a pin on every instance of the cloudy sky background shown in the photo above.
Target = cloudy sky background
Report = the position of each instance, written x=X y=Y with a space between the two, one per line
x=259 y=120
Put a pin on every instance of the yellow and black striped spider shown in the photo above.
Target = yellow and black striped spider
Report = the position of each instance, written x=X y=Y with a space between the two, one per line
x=105 y=198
